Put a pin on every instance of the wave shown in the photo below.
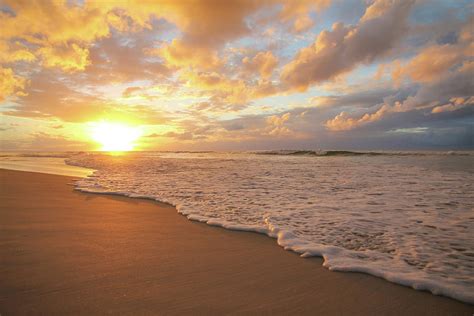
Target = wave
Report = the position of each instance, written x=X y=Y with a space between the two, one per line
x=344 y=153
x=330 y=208
x=321 y=153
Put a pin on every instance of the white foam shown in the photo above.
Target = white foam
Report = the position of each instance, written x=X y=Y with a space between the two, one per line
x=406 y=219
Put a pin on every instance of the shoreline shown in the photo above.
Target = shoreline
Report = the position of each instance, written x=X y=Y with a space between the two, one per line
x=106 y=253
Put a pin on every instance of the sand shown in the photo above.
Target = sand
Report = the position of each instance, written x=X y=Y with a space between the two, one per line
x=66 y=252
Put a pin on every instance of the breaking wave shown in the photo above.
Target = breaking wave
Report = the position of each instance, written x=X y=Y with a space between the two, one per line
x=407 y=219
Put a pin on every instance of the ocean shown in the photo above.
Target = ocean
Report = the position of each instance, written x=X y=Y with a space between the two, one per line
x=407 y=217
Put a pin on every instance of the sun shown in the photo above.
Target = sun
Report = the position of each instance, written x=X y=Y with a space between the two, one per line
x=115 y=136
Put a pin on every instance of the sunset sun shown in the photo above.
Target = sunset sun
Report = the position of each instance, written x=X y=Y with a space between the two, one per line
x=115 y=136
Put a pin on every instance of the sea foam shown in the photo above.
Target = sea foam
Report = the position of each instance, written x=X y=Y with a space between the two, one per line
x=406 y=218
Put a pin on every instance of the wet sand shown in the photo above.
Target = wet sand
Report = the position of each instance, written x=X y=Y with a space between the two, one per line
x=66 y=252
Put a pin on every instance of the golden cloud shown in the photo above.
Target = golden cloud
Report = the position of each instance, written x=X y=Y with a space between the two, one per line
x=298 y=12
x=179 y=54
x=10 y=84
x=69 y=58
x=264 y=63
x=14 y=52
x=51 y=22
x=454 y=105
x=343 y=122
x=344 y=47
x=435 y=62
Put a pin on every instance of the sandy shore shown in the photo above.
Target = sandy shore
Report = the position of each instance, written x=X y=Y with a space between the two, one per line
x=65 y=252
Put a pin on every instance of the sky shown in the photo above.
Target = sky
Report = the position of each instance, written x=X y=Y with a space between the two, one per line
x=238 y=74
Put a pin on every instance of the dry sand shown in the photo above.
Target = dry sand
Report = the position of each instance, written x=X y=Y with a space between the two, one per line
x=65 y=252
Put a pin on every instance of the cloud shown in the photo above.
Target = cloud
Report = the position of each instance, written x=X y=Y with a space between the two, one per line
x=276 y=120
x=46 y=141
x=114 y=60
x=59 y=33
x=69 y=58
x=192 y=130
x=10 y=84
x=153 y=135
x=41 y=22
x=357 y=99
x=15 y=51
x=264 y=63
x=298 y=12
x=233 y=126
x=433 y=62
x=444 y=72
x=205 y=28
x=344 y=47
x=343 y=122
x=456 y=87
x=130 y=91
x=454 y=105
x=302 y=23
x=52 y=99
x=213 y=23
x=225 y=93
x=218 y=72
x=181 y=54
x=436 y=60
x=278 y=126
x=41 y=141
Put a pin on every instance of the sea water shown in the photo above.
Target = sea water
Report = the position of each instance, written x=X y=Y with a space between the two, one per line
x=405 y=217
x=51 y=163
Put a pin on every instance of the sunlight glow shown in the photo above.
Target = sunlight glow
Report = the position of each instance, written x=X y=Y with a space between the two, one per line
x=115 y=136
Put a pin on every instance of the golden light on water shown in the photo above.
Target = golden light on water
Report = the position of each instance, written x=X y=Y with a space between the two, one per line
x=115 y=136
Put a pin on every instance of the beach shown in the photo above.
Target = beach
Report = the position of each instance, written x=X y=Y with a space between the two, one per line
x=66 y=252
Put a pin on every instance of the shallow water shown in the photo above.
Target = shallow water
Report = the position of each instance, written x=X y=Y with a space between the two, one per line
x=42 y=164
x=405 y=217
